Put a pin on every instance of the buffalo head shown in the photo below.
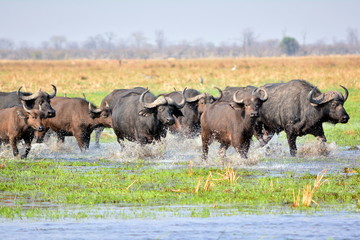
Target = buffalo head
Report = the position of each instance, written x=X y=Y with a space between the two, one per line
x=332 y=104
x=202 y=99
x=102 y=115
x=250 y=103
x=39 y=100
x=164 y=107
x=32 y=117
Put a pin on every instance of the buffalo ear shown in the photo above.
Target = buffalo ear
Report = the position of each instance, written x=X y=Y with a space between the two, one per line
x=145 y=112
x=21 y=114
x=236 y=106
x=177 y=113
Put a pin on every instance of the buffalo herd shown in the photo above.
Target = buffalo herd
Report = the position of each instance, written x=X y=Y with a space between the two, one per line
x=232 y=118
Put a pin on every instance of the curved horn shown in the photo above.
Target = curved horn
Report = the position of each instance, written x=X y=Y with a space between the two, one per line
x=221 y=94
x=54 y=93
x=196 y=98
x=24 y=107
x=265 y=97
x=171 y=101
x=235 y=99
x=158 y=101
x=315 y=101
x=27 y=98
x=346 y=93
x=91 y=109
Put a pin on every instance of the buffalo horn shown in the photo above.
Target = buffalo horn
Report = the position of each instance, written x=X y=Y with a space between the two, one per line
x=315 y=101
x=24 y=107
x=346 y=93
x=171 y=101
x=221 y=94
x=27 y=98
x=91 y=109
x=54 y=93
x=235 y=99
x=158 y=101
x=265 y=97
x=196 y=98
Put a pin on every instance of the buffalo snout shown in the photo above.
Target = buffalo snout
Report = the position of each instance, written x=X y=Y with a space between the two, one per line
x=170 y=120
x=254 y=114
x=50 y=114
x=344 y=119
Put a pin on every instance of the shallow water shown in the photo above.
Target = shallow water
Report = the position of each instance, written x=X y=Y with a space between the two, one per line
x=242 y=226
x=176 y=152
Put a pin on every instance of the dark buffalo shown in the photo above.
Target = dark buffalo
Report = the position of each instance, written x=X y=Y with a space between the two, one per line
x=188 y=125
x=231 y=123
x=39 y=100
x=109 y=101
x=19 y=123
x=76 y=117
x=143 y=117
x=299 y=108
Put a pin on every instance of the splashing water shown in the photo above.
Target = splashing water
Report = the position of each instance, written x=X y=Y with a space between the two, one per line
x=174 y=151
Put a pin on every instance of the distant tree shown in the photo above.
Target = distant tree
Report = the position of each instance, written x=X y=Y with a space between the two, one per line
x=58 y=42
x=160 y=39
x=289 y=46
x=352 y=37
x=248 y=39
x=6 y=44
x=139 y=39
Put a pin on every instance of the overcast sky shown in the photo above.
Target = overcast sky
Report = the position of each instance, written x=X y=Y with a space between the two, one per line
x=215 y=21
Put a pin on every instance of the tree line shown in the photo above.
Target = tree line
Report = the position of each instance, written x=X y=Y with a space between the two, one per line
x=137 y=46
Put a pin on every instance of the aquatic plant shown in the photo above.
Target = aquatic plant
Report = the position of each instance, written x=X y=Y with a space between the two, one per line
x=308 y=191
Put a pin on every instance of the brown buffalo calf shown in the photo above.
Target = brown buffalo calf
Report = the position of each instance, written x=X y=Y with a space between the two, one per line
x=76 y=117
x=19 y=123
x=231 y=123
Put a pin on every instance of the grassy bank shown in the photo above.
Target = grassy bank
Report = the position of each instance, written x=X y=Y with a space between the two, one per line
x=26 y=186
x=97 y=78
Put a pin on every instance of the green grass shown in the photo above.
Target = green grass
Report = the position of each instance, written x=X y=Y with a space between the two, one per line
x=62 y=183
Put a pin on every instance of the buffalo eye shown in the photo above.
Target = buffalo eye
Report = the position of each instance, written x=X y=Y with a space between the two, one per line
x=333 y=105
x=161 y=109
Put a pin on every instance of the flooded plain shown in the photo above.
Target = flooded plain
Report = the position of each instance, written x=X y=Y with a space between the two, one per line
x=186 y=222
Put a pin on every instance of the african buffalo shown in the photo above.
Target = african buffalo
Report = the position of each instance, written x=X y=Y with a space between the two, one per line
x=231 y=123
x=19 y=123
x=76 y=117
x=228 y=93
x=188 y=125
x=110 y=100
x=299 y=108
x=143 y=117
x=32 y=101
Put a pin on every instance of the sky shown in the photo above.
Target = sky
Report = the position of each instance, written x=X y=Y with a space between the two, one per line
x=217 y=21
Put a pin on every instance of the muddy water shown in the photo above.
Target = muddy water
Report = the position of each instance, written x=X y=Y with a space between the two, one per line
x=176 y=152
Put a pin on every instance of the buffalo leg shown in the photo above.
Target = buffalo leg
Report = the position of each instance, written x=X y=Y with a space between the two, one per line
x=27 y=147
x=14 y=146
x=98 y=132
x=86 y=141
x=222 y=150
x=242 y=147
x=61 y=138
x=205 y=146
x=80 y=142
x=292 y=143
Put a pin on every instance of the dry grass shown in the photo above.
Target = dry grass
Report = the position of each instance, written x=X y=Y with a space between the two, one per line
x=86 y=76
x=229 y=176
x=308 y=191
